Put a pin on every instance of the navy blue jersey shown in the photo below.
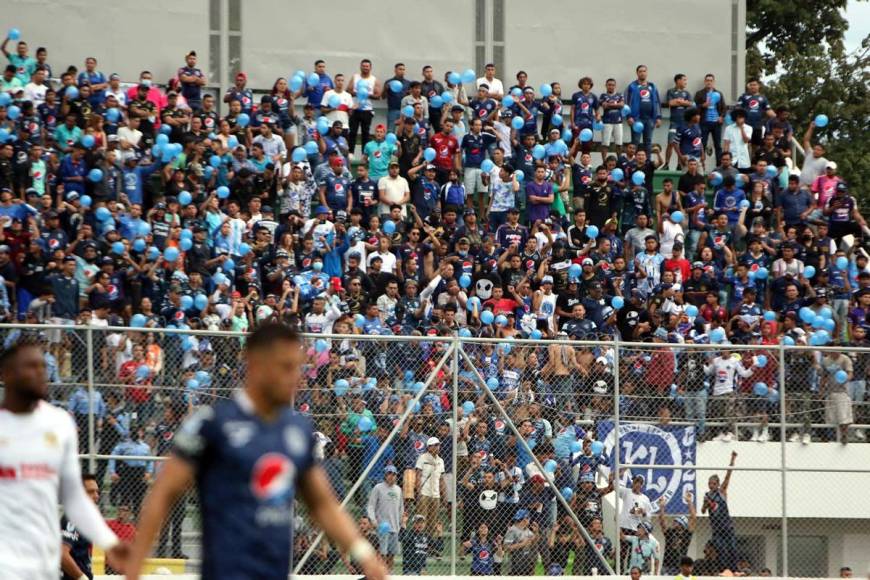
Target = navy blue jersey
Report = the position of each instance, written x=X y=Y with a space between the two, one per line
x=756 y=108
x=247 y=471
x=337 y=190
x=690 y=140
x=483 y=109
x=80 y=547
x=720 y=518
x=584 y=108
x=475 y=147
x=614 y=115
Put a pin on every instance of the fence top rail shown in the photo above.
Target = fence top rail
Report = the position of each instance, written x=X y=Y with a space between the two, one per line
x=625 y=345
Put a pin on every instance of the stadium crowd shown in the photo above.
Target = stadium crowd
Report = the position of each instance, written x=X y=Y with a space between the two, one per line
x=482 y=208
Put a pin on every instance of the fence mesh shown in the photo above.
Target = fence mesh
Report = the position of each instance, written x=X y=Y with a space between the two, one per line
x=627 y=435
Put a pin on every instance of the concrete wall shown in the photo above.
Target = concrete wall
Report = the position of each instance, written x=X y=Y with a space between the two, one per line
x=125 y=36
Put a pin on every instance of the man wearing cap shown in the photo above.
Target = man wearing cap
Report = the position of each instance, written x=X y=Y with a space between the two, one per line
x=520 y=541
x=678 y=536
x=431 y=489
x=192 y=80
x=335 y=188
x=386 y=505
x=175 y=117
x=635 y=509
x=844 y=217
x=377 y=154
x=644 y=550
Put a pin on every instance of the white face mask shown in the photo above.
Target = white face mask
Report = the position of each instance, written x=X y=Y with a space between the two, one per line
x=146 y=82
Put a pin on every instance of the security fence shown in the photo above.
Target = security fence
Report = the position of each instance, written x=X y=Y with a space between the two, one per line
x=552 y=457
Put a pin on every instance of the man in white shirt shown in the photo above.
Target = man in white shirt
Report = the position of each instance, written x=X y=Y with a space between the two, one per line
x=34 y=91
x=273 y=145
x=39 y=466
x=337 y=103
x=114 y=89
x=130 y=137
x=736 y=140
x=430 y=484
x=496 y=88
x=393 y=190
x=635 y=508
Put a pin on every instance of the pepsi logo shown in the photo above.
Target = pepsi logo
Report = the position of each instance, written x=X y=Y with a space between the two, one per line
x=483 y=554
x=272 y=477
x=53 y=243
x=584 y=106
x=378 y=153
x=585 y=179
x=443 y=151
x=753 y=103
x=499 y=425
x=482 y=112
x=418 y=445
x=339 y=187
x=209 y=122
x=696 y=142
x=179 y=315
x=644 y=93
x=528 y=157
x=304 y=407
x=37 y=175
x=246 y=100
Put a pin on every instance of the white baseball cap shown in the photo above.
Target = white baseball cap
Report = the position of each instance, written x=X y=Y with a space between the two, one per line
x=432 y=441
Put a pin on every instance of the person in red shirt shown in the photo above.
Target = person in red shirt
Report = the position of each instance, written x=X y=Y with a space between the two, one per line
x=501 y=304
x=447 y=154
x=678 y=264
x=123 y=525
x=139 y=392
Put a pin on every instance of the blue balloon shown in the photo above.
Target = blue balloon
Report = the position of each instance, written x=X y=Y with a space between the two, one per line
x=418 y=386
x=760 y=389
x=826 y=312
x=170 y=254
x=233 y=142
x=519 y=175
x=598 y=126
x=334 y=101
x=391 y=139
x=112 y=115
x=716 y=178
x=186 y=302
x=223 y=192
x=842 y=262
x=144 y=228
x=184 y=198
x=501 y=320
x=556 y=120
x=744 y=204
x=576 y=446
x=118 y=248
x=487 y=317
x=464 y=332
x=468 y=407
x=637 y=127
x=539 y=151
x=771 y=171
x=677 y=217
x=436 y=102
x=829 y=325
x=359 y=320
x=770 y=316
x=465 y=281
x=153 y=253
x=384 y=528
x=71 y=93
x=806 y=314
x=95 y=175
x=447 y=97
x=138 y=320
x=103 y=214
x=617 y=174
x=536 y=334
x=429 y=154
x=567 y=135
x=546 y=90
x=389 y=227
x=472 y=303
x=454 y=78
x=244 y=249
x=295 y=84
x=761 y=273
x=395 y=86
x=322 y=125
x=717 y=335
x=597 y=448
x=143 y=371
x=787 y=341
x=492 y=383
x=228 y=266
x=341 y=386
x=162 y=139
x=185 y=244
x=809 y=272
x=507 y=102
x=165 y=129
x=313 y=80
x=408 y=111
x=203 y=378
x=691 y=311
x=517 y=123
x=186 y=234
x=818 y=322
x=821 y=121
x=5 y=99
x=574 y=271
x=761 y=361
x=320 y=345
x=550 y=466
x=626 y=110
x=592 y=232
x=365 y=424
x=841 y=376
x=617 y=302
x=298 y=155
x=139 y=245
x=487 y=165
x=311 y=148
x=88 y=141
x=773 y=396
x=200 y=302
x=13 y=112
x=586 y=135
x=638 y=178
x=214 y=161
x=14 y=34
x=468 y=75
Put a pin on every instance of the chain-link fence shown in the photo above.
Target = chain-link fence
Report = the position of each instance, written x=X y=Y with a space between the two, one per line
x=473 y=456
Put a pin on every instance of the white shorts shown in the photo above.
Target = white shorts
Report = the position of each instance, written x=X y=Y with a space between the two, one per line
x=611 y=131
x=473 y=181
x=838 y=409
x=388 y=544
x=54 y=335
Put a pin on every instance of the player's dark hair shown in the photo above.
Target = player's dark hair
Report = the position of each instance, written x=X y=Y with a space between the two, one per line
x=8 y=354
x=88 y=477
x=267 y=335
x=679 y=76
x=686 y=561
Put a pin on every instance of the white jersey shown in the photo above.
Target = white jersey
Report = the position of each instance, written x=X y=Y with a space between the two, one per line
x=39 y=466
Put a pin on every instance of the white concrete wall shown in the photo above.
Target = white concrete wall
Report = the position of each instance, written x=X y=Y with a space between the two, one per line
x=125 y=36
x=279 y=37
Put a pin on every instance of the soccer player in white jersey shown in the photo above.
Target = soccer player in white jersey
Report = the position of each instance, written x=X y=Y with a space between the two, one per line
x=39 y=467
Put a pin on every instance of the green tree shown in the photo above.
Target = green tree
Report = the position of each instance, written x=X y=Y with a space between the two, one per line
x=797 y=49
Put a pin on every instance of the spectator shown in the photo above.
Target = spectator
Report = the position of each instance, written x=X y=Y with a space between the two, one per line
x=386 y=506
x=716 y=503
x=430 y=490
x=519 y=542
x=678 y=536
x=415 y=545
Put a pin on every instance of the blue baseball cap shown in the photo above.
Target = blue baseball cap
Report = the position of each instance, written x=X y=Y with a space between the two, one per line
x=521 y=515
x=321 y=209
x=391 y=469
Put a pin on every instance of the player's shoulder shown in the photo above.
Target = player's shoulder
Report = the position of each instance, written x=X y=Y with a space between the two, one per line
x=52 y=415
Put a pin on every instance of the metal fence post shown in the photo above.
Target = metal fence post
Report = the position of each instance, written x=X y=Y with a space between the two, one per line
x=92 y=461
x=783 y=467
x=454 y=371
x=618 y=554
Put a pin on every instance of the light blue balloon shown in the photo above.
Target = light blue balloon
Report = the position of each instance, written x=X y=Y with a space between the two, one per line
x=761 y=361
x=341 y=387
x=519 y=175
x=626 y=110
x=826 y=312
x=396 y=86
x=716 y=178
x=429 y=154
x=576 y=446
x=788 y=341
x=138 y=320
x=598 y=126
x=841 y=376
x=468 y=75
x=311 y=148
x=223 y=192
x=761 y=273
x=597 y=448
x=103 y=214
x=391 y=139
x=384 y=528
x=586 y=135
x=717 y=335
x=200 y=302
x=492 y=383
x=184 y=198
x=744 y=204
x=691 y=311
x=677 y=217
x=185 y=244
x=186 y=234
x=71 y=93
x=637 y=127
x=322 y=125
x=359 y=320
x=472 y=303
x=770 y=316
x=517 y=123
x=139 y=245
x=436 y=102
x=575 y=270
x=447 y=97
x=186 y=302
x=617 y=174
x=842 y=262
x=454 y=78
x=95 y=175
x=550 y=466
x=487 y=166
x=88 y=141
x=465 y=281
x=365 y=424
x=408 y=111
x=333 y=101
x=5 y=99
x=592 y=232
x=14 y=34
x=298 y=155
x=556 y=120
x=153 y=253
x=464 y=332
x=535 y=334
x=546 y=90
x=203 y=378
x=313 y=80
x=617 y=302
x=487 y=317
x=829 y=325
x=809 y=272
x=118 y=248
x=228 y=266
x=468 y=407
x=320 y=345
x=244 y=249
x=295 y=84
x=638 y=178
x=760 y=389
x=501 y=320
x=192 y=384
x=507 y=102
x=389 y=227
x=170 y=254
x=821 y=121
x=233 y=142
x=143 y=372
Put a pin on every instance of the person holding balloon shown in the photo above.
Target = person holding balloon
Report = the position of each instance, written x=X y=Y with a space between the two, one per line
x=23 y=65
x=386 y=505
x=644 y=103
x=838 y=370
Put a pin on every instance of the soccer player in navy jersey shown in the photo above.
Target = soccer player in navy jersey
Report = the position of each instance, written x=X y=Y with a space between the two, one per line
x=249 y=456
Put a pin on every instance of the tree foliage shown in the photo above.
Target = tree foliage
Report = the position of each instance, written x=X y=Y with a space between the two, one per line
x=797 y=49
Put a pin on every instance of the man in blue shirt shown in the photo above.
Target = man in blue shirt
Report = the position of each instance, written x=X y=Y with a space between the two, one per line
x=678 y=100
x=711 y=102
x=96 y=79
x=584 y=110
x=757 y=109
x=248 y=456
x=192 y=80
x=611 y=104
x=475 y=145
x=314 y=92
x=394 y=98
x=688 y=138
x=727 y=200
x=642 y=97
